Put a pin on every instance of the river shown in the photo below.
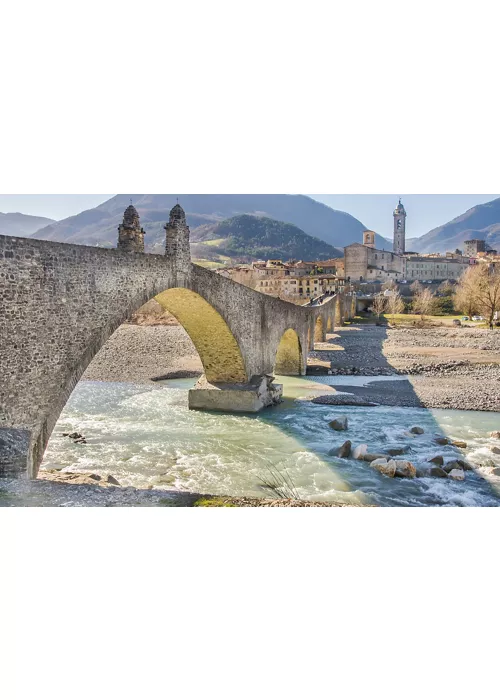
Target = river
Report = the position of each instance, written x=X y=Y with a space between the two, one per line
x=145 y=436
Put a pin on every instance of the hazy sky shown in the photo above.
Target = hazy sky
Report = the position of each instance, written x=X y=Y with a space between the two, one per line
x=425 y=211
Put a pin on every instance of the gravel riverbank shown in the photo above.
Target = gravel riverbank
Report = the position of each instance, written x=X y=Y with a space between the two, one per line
x=448 y=368
x=141 y=353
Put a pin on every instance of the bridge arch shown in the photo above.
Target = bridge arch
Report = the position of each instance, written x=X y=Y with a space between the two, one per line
x=289 y=359
x=219 y=352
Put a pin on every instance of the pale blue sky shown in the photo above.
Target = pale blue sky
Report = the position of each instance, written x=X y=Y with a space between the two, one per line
x=425 y=211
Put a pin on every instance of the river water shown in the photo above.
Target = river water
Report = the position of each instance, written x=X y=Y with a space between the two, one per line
x=145 y=436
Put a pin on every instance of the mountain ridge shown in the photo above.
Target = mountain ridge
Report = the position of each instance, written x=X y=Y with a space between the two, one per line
x=481 y=222
x=99 y=226
x=22 y=225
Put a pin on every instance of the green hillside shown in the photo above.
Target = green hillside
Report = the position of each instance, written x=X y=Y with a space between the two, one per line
x=248 y=237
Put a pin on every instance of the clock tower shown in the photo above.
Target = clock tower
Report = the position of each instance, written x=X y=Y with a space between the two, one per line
x=399 y=229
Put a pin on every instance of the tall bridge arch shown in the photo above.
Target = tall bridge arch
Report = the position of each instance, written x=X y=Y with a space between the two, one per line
x=60 y=303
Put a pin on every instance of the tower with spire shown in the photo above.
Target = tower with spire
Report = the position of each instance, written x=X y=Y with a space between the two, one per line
x=177 y=246
x=400 y=229
x=130 y=233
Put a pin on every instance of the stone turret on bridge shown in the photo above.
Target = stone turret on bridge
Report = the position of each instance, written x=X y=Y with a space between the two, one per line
x=177 y=246
x=130 y=232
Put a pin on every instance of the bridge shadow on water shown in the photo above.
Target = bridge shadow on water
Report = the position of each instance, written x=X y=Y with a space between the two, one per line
x=385 y=427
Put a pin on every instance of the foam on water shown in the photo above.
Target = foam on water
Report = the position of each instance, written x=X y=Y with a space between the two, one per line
x=145 y=435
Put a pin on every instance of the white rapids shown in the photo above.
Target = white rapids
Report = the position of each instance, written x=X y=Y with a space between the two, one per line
x=145 y=436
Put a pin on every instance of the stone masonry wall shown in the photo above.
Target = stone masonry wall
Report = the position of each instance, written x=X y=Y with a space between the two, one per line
x=60 y=303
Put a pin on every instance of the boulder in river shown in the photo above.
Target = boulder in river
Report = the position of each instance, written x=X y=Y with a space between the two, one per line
x=345 y=451
x=359 y=451
x=457 y=474
x=111 y=480
x=404 y=469
x=417 y=431
x=452 y=464
x=339 y=424
x=495 y=434
x=465 y=465
x=439 y=472
x=441 y=440
x=371 y=457
x=438 y=461
x=396 y=451
x=459 y=443
x=384 y=467
x=495 y=450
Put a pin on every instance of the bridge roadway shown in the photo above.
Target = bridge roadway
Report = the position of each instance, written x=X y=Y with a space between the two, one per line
x=60 y=303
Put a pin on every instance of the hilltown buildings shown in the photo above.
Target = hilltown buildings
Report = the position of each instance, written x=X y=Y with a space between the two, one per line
x=365 y=263
x=297 y=282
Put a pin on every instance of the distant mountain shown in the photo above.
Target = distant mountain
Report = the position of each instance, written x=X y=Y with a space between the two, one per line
x=482 y=222
x=22 y=225
x=99 y=226
x=248 y=237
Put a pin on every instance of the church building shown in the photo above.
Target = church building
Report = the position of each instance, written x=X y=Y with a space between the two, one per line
x=365 y=263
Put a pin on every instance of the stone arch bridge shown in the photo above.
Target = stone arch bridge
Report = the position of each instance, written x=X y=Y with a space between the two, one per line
x=60 y=303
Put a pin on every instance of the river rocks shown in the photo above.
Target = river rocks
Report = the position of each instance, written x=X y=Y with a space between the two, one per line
x=464 y=465
x=453 y=464
x=372 y=457
x=439 y=473
x=396 y=451
x=404 y=469
x=342 y=400
x=384 y=467
x=77 y=438
x=457 y=474
x=94 y=477
x=495 y=434
x=111 y=480
x=339 y=424
x=438 y=461
x=344 y=452
x=495 y=450
x=495 y=471
x=459 y=443
x=359 y=451
x=439 y=440
x=417 y=431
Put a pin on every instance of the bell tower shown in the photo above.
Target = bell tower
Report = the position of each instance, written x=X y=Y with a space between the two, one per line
x=369 y=239
x=399 y=229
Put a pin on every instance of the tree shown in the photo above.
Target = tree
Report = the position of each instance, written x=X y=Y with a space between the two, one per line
x=423 y=303
x=446 y=288
x=395 y=304
x=416 y=287
x=379 y=305
x=465 y=297
x=487 y=285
